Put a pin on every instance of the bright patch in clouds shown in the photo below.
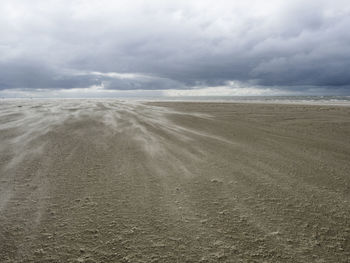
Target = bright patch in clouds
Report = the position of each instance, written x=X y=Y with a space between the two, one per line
x=221 y=91
x=115 y=75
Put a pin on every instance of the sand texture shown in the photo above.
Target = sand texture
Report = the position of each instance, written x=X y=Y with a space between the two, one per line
x=113 y=181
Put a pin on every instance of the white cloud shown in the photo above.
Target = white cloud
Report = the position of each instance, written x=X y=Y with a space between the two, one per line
x=232 y=88
x=115 y=75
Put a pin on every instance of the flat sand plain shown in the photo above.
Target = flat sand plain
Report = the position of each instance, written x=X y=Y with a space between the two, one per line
x=116 y=181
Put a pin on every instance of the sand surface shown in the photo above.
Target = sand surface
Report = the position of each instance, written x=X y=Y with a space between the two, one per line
x=113 y=181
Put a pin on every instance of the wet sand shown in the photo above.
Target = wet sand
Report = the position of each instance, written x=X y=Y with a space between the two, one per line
x=114 y=181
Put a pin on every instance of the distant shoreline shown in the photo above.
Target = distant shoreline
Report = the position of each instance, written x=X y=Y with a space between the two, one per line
x=288 y=100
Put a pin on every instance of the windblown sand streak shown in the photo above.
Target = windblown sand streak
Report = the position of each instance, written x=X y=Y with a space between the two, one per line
x=122 y=181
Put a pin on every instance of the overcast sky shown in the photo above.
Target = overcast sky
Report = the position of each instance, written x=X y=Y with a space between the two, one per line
x=174 y=48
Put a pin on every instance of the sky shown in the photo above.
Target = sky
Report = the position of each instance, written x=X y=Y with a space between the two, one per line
x=100 y=48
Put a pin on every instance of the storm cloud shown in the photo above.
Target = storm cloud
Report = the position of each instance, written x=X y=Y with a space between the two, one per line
x=287 y=46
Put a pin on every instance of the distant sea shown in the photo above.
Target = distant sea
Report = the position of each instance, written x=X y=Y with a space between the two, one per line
x=309 y=100
x=317 y=100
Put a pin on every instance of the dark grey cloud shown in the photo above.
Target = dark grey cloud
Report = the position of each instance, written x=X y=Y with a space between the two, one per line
x=32 y=75
x=162 y=45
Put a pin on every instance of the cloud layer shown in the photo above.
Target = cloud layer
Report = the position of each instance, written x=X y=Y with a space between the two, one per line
x=290 y=45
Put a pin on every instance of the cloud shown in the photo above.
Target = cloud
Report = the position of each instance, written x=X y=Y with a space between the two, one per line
x=231 y=88
x=288 y=45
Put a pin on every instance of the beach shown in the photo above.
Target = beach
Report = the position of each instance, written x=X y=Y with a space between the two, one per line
x=106 y=180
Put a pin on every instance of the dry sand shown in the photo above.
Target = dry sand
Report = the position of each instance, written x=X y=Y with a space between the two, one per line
x=112 y=181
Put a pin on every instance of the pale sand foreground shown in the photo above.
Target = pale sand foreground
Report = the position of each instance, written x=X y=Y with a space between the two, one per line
x=111 y=181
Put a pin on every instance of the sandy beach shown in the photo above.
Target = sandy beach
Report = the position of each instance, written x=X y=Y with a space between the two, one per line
x=121 y=181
